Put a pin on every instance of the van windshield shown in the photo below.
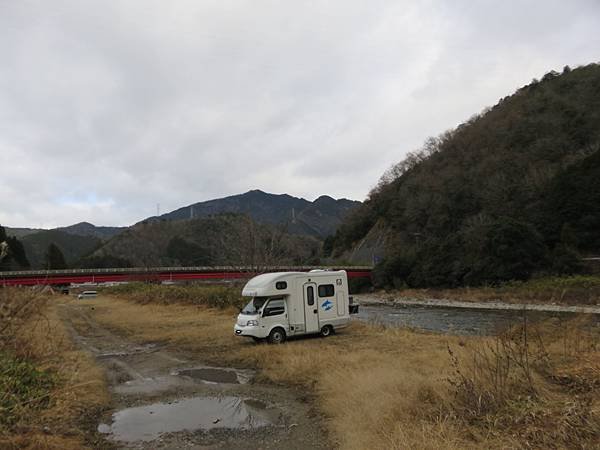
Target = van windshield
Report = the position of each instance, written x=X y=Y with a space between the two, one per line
x=254 y=305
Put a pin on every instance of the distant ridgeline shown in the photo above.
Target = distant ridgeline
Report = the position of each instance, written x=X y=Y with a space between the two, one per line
x=255 y=228
x=512 y=192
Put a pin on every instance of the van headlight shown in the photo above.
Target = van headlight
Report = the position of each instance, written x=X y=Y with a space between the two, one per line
x=252 y=323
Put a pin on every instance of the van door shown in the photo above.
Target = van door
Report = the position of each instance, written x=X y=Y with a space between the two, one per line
x=274 y=314
x=311 y=309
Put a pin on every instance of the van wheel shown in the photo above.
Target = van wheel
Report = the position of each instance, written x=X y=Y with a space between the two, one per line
x=327 y=330
x=276 y=336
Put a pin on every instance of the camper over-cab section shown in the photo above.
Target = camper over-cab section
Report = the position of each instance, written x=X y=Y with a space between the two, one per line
x=285 y=304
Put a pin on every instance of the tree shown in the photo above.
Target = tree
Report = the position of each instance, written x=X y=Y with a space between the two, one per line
x=103 y=262
x=11 y=252
x=17 y=252
x=507 y=250
x=188 y=253
x=4 y=251
x=328 y=244
x=54 y=258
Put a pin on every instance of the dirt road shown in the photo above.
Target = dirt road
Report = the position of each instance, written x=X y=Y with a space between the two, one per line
x=164 y=398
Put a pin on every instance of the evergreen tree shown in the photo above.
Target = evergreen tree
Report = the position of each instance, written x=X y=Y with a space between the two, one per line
x=12 y=253
x=54 y=258
x=4 y=251
x=17 y=252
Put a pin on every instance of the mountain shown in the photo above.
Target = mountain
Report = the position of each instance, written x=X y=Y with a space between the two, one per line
x=223 y=239
x=74 y=241
x=20 y=232
x=88 y=229
x=78 y=229
x=511 y=192
x=195 y=234
x=299 y=216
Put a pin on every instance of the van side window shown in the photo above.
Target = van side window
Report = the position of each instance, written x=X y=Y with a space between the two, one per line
x=310 y=296
x=275 y=307
x=326 y=290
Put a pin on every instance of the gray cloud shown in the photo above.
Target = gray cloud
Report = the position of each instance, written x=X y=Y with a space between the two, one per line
x=107 y=108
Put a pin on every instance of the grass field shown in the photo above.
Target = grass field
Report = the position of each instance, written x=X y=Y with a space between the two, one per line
x=535 y=387
x=49 y=388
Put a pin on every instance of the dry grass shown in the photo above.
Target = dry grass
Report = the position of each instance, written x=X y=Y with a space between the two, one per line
x=382 y=388
x=575 y=290
x=538 y=382
x=52 y=419
x=213 y=295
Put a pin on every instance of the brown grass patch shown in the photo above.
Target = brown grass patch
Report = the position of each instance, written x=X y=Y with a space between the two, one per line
x=39 y=338
x=574 y=290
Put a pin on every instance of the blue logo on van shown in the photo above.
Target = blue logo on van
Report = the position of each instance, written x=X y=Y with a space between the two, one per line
x=327 y=305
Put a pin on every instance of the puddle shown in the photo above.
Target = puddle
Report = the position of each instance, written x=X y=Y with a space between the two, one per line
x=211 y=375
x=146 y=386
x=146 y=423
x=182 y=378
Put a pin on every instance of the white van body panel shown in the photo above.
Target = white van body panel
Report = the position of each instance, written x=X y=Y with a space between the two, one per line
x=313 y=300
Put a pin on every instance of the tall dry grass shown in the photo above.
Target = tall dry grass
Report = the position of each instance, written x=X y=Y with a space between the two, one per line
x=215 y=296
x=538 y=383
x=50 y=388
x=572 y=290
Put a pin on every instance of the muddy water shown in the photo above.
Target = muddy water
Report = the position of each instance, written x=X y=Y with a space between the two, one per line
x=461 y=321
x=146 y=423
x=212 y=375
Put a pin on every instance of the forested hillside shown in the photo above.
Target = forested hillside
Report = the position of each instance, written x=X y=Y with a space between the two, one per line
x=72 y=246
x=511 y=192
x=224 y=239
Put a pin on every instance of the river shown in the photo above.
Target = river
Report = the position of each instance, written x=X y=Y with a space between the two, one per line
x=459 y=321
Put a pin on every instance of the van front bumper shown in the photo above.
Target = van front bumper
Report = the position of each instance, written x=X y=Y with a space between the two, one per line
x=252 y=331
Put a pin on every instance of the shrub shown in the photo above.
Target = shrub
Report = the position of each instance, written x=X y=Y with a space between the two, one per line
x=22 y=387
x=208 y=295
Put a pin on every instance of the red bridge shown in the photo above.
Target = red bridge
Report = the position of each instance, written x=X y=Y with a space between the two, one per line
x=155 y=274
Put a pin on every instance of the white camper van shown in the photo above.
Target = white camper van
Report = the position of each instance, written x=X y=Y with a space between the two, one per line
x=287 y=304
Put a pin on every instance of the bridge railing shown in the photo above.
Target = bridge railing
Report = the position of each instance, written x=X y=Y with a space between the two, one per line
x=197 y=269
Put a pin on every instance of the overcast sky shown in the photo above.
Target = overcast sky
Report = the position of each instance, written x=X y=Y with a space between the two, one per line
x=108 y=108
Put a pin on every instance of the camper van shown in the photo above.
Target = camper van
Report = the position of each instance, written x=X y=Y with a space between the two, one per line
x=285 y=304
